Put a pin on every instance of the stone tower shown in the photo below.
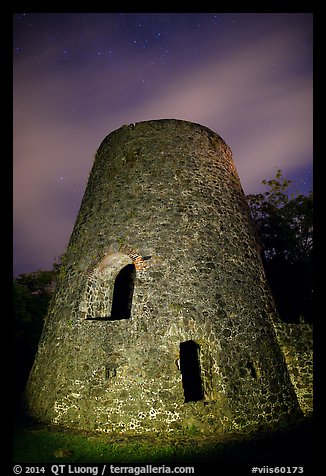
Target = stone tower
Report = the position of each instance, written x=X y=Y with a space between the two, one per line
x=162 y=319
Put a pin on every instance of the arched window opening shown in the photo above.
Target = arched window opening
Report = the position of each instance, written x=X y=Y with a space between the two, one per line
x=190 y=370
x=122 y=293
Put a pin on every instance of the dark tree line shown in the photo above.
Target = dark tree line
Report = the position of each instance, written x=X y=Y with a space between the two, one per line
x=32 y=293
x=284 y=223
x=284 y=226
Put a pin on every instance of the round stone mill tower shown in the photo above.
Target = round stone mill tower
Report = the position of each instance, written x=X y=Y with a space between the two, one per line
x=162 y=319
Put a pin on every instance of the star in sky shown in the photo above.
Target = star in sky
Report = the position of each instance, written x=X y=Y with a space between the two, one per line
x=79 y=76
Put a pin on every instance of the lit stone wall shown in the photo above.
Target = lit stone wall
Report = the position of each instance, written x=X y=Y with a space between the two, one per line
x=193 y=348
x=296 y=341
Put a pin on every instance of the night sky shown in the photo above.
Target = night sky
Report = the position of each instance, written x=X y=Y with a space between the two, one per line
x=79 y=76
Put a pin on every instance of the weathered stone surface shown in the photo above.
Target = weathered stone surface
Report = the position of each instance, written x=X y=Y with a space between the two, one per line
x=163 y=253
x=296 y=342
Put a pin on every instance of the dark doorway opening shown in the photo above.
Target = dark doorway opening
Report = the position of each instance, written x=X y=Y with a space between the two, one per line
x=123 y=292
x=250 y=366
x=190 y=370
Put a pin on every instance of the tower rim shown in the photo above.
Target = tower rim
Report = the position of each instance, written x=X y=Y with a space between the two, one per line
x=163 y=122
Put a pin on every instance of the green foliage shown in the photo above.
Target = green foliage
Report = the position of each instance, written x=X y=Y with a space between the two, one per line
x=32 y=293
x=193 y=430
x=50 y=445
x=284 y=223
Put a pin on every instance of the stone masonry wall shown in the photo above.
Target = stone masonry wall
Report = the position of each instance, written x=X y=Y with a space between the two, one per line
x=296 y=341
x=163 y=211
